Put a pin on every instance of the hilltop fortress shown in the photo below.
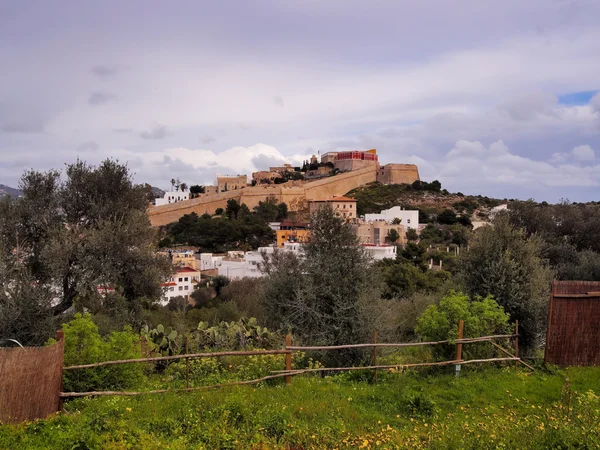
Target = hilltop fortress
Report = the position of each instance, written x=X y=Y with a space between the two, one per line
x=336 y=174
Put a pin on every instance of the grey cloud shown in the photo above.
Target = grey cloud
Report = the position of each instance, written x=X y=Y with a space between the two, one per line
x=100 y=98
x=103 y=71
x=157 y=132
x=91 y=145
x=122 y=130
x=528 y=107
x=208 y=139
x=278 y=100
x=26 y=127
x=263 y=162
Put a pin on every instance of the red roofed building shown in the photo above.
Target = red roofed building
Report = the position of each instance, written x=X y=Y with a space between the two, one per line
x=182 y=283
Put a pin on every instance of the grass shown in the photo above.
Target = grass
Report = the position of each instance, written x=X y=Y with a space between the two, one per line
x=493 y=408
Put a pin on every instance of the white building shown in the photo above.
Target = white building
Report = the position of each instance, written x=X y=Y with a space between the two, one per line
x=182 y=283
x=379 y=252
x=408 y=218
x=236 y=265
x=172 y=197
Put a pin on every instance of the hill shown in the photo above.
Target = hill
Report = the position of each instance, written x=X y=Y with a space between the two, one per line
x=429 y=198
x=11 y=192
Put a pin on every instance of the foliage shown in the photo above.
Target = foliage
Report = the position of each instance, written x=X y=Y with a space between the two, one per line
x=482 y=317
x=393 y=236
x=325 y=297
x=270 y=210
x=84 y=345
x=411 y=234
x=86 y=229
x=484 y=409
x=197 y=189
x=26 y=312
x=569 y=232
x=218 y=283
x=245 y=333
x=164 y=340
x=403 y=277
x=504 y=263
x=220 y=234
x=447 y=217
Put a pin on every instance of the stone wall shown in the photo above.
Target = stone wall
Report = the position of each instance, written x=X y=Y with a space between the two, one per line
x=295 y=194
x=398 y=174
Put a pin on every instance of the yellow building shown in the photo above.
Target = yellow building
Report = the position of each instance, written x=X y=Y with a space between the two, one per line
x=292 y=232
x=344 y=207
x=184 y=258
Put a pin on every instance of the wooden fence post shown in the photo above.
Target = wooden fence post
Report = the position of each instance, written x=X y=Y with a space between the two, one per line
x=187 y=365
x=459 y=346
x=288 y=358
x=375 y=353
x=516 y=343
x=60 y=336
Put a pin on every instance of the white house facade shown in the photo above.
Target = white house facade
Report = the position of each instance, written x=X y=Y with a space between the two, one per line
x=408 y=218
x=182 y=283
x=172 y=197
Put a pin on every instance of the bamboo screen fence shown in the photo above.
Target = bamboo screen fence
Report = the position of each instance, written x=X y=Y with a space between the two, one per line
x=573 y=336
x=30 y=382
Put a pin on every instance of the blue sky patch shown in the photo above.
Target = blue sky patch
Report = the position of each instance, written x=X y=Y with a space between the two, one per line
x=576 y=98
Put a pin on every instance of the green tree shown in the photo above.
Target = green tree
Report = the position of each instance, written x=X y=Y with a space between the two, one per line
x=327 y=296
x=447 y=217
x=197 y=189
x=482 y=317
x=219 y=211
x=411 y=234
x=218 y=283
x=393 y=235
x=233 y=208
x=88 y=229
x=504 y=263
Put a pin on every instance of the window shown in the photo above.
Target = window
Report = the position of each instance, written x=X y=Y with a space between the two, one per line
x=181 y=279
x=171 y=288
x=350 y=205
x=344 y=206
x=181 y=288
x=186 y=288
x=186 y=279
x=407 y=220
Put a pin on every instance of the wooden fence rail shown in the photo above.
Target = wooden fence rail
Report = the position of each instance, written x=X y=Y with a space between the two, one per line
x=288 y=351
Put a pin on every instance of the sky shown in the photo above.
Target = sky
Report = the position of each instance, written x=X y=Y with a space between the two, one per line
x=497 y=98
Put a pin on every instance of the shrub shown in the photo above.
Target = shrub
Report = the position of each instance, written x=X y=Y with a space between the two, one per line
x=84 y=345
x=482 y=317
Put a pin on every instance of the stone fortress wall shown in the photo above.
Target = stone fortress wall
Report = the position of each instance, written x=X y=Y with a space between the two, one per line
x=294 y=193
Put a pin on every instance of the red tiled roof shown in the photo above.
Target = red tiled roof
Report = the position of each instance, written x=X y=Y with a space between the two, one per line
x=341 y=198
x=185 y=269
x=170 y=283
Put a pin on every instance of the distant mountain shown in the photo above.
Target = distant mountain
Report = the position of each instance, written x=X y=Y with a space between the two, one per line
x=11 y=192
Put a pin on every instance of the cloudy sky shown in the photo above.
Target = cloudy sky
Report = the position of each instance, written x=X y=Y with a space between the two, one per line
x=492 y=97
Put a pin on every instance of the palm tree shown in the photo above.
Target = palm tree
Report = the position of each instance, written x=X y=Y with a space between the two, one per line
x=183 y=187
x=172 y=183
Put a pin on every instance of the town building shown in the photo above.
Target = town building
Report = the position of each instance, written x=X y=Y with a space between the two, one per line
x=231 y=183
x=408 y=218
x=181 y=283
x=290 y=232
x=236 y=265
x=379 y=252
x=184 y=258
x=344 y=207
x=172 y=197
x=377 y=232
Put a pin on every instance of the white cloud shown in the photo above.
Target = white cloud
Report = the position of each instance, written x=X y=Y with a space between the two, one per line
x=583 y=153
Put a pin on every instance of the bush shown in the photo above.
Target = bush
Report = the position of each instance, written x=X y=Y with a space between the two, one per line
x=84 y=345
x=482 y=317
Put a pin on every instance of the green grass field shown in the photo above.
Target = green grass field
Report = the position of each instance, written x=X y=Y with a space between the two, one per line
x=492 y=408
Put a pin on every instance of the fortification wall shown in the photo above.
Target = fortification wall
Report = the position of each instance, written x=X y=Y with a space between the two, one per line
x=294 y=194
x=398 y=174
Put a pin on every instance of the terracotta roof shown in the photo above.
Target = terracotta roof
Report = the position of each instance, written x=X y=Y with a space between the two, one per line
x=185 y=269
x=171 y=283
x=341 y=198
